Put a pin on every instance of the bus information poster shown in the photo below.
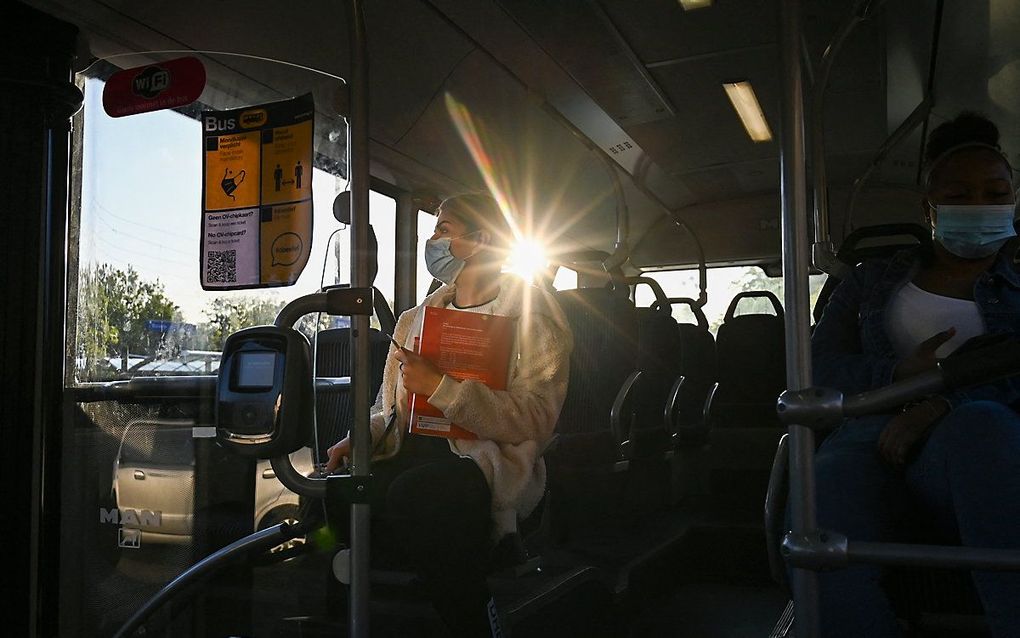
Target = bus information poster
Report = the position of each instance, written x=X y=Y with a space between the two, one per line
x=464 y=345
x=257 y=194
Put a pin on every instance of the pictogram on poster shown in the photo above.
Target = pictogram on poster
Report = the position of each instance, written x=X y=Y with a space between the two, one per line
x=257 y=194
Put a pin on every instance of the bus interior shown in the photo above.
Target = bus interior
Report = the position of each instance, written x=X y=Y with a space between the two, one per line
x=640 y=146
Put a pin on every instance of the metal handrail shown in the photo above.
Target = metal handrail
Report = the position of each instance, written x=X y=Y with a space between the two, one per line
x=796 y=259
x=823 y=255
x=155 y=389
x=256 y=543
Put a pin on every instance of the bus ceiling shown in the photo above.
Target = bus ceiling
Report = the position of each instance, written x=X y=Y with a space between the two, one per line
x=639 y=91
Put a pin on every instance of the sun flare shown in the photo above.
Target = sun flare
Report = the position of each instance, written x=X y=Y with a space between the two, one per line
x=527 y=259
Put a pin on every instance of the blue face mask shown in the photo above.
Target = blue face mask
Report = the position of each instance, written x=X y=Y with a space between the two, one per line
x=974 y=231
x=441 y=262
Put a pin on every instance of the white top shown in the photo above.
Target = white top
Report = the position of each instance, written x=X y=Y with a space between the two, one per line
x=915 y=315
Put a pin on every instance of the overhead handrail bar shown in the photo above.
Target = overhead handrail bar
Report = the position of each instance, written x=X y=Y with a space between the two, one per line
x=929 y=87
x=822 y=253
x=917 y=117
x=621 y=249
x=681 y=223
x=184 y=387
x=622 y=211
x=912 y=121
x=702 y=264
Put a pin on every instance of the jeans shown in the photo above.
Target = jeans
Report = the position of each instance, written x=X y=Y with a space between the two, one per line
x=965 y=484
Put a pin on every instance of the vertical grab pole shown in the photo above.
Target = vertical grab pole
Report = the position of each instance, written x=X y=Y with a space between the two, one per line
x=357 y=163
x=795 y=277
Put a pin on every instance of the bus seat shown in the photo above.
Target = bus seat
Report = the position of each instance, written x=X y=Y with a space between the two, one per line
x=333 y=359
x=603 y=369
x=651 y=443
x=892 y=238
x=691 y=473
x=740 y=410
x=751 y=356
x=698 y=373
x=589 y=465
x=659 y=359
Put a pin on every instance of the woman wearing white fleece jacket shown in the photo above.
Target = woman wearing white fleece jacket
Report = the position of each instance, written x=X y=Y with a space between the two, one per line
x=471 y=491
x=513 y=426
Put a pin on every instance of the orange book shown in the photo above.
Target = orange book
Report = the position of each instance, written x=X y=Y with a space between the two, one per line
x=466 y=346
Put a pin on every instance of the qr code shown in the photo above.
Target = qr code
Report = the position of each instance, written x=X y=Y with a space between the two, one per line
x=221 y=266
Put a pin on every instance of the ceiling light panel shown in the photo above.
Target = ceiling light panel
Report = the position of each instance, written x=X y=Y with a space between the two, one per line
x=745 y=102
x=691 y=5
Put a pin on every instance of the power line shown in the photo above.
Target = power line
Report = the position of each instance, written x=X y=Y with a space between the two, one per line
x=119 y=259
x=141 y=254
x=141 y=239
x=94 y=201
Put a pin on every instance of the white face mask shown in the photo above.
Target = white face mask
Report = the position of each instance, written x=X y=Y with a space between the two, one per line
x=440 y=260
x=974 y=231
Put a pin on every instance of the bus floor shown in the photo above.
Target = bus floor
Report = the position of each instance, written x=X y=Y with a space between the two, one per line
x=695 y=574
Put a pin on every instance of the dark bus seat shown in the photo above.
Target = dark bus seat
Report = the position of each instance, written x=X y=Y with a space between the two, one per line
x=594 y=424
x=658 y=359
x=853 y=251
x=751 y=355
x=333 y=359
x=588 y=466
x=685 y=405
x=698 y=372
x=741 y=408
x=649 y=483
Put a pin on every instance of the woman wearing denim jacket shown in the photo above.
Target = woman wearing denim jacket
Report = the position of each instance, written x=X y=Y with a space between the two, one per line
x=951 y=461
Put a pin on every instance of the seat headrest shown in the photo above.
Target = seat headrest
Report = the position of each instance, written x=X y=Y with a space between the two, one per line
x=752 y=294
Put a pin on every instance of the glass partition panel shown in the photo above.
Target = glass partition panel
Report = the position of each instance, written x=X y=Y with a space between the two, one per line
x=139 y=307
x=144 y=493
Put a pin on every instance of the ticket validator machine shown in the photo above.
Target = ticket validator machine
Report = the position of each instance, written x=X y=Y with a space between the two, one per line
x=259 y=367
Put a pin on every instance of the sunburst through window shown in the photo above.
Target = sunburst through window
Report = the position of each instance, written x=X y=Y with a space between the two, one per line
x=527 y=259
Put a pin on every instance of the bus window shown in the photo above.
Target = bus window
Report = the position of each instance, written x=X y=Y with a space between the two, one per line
x=383 y=215
x=565 y=279
x=426 y=227
x=138 y=308
x=383 y=211
x=723 y=284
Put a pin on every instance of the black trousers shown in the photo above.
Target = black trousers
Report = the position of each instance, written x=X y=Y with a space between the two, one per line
x=431 y=513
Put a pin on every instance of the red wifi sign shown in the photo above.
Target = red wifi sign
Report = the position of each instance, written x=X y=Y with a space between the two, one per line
x=165 y=85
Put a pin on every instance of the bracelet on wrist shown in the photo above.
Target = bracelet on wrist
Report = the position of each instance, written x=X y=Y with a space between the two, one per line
x=938 y=406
